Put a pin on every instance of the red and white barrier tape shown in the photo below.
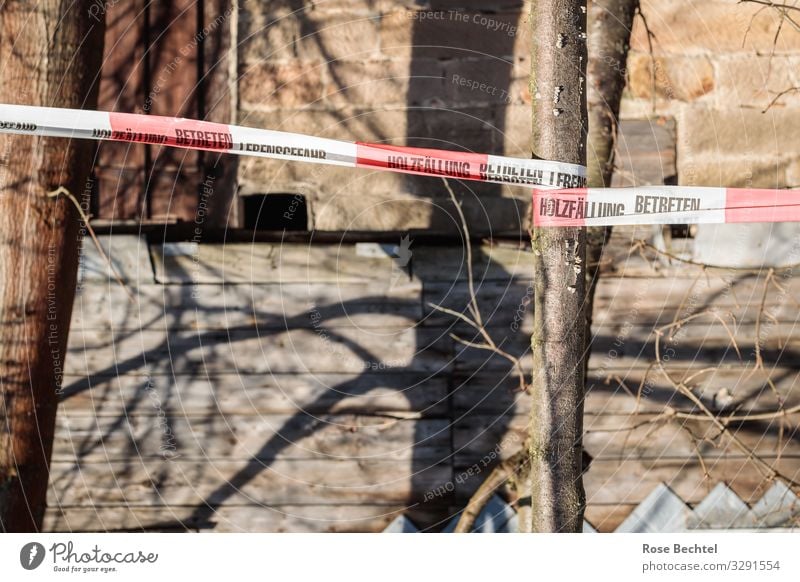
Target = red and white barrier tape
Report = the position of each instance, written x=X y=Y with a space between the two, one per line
x=559 y=198
x=663 y=205
x=265 y=143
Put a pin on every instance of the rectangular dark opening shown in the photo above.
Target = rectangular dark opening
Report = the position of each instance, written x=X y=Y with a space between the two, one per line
x=682 y=231
x=275 y=212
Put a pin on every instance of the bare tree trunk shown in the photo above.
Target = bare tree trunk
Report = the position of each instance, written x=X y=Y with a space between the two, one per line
x=50 y=53
x=559 y=133
x=610 y=23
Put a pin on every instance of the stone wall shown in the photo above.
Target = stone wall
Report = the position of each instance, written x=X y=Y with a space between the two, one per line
x=718 y=67
x=454 y=74
x=447 y=74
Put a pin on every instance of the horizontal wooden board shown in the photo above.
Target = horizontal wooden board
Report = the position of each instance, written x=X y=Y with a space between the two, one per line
x=632 y=301
x=126 y=257
x=396 y=209
x=611 y=436
x=254 y=351
x=448 y=264
x=704 y=342
x=270 y=307
x=730 y=289
x=260 y=262
x=613 y=390
x=177 y=482
x=630 y=481
x=338 y=518
x=225 y=394
x=607 y=518
x=238 y=437
x=189 y=262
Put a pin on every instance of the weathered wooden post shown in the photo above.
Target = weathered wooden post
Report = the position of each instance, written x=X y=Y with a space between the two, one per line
x=50 y=54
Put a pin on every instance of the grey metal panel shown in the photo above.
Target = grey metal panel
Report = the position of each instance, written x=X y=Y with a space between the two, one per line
x=661 y=512
x=722 y=509
x=777 y=507
x=496 y=517
x=401 y=524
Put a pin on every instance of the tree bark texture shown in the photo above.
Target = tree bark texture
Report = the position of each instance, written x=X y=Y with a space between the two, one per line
x=50 y=54
x=559 y=58
x=610 y=23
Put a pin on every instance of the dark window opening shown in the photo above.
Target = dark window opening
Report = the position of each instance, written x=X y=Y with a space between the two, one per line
x=682 y=231
x=275 y=212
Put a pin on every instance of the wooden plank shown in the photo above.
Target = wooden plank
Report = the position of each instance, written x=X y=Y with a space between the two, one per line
x=226 y=394
x=622 y=257
x=268 y=307
x=163 y=484
x=703 y=343
x=606 y=437
x=655 y=301
x=737 y=388
x=254 y=351
x=629 y=481
x=634 y=301
x=85 y=438
x=632 y=480
x=447 y=264
x=606 y=518
x=502 y=303
x=130 y=258
x=183 y=263
x=337 y=518
x=613 y=390
x=269 y=263
x=645 y=153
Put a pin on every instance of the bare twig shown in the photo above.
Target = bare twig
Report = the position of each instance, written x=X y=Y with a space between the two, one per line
x=778 y=96
x=770 y=4
x=499 y=475
x=641 y=245
x=767 y=470
x=476 y=321
x=61 y=190
x=650 y=37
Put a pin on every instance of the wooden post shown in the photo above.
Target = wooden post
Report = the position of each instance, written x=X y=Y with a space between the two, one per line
x=50 y=55
x=558 y=342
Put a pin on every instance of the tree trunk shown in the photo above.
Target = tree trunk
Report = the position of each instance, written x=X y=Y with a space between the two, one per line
x=559 y=133
x=610 y=23
x=50 y=54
